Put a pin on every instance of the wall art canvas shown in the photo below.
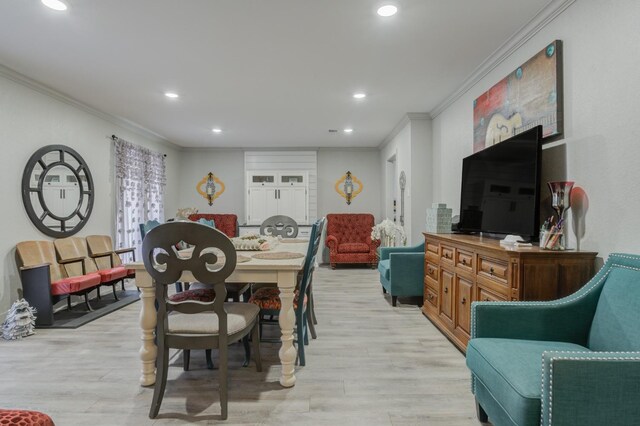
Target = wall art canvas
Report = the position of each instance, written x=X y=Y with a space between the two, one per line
x=529 y=96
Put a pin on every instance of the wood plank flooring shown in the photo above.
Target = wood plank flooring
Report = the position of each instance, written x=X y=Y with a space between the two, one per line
x=372 y=364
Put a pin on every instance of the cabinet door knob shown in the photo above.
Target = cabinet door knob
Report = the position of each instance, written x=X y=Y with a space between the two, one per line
x=446 y=290
x=463 y=301
x=491 y=270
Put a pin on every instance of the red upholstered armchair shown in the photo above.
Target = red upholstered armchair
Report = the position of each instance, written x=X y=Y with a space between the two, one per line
x=349 y=239
x=227 y=223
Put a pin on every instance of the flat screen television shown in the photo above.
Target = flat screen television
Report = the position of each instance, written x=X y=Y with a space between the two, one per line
x=501 y=187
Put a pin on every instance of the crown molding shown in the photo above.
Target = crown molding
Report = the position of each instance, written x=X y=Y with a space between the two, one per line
x=401 y=124
x=32 y=84
x=524 y=34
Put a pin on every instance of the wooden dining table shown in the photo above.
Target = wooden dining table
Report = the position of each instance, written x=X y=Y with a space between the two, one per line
x=284 y=273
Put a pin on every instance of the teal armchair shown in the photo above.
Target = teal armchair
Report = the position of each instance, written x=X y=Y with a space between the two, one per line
x=402 y=271
x=572 y=361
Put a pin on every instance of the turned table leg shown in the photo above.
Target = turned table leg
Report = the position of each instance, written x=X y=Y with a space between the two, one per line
x=148 y=320
x=286 y=284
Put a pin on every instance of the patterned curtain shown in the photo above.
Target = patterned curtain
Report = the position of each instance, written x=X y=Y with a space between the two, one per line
x=140 y=182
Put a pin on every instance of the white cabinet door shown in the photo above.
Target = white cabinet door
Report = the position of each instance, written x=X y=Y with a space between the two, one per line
x=293 y=203
x=263 y=203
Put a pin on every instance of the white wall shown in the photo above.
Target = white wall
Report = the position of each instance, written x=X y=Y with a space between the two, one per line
x=412 y=148
x=364 y=164
x=227 y=165
x=602 y=130
x=30 y=120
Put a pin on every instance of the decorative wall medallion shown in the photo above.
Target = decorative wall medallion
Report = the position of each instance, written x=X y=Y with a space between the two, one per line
x=349 y=186
x=403 y=185
x=210 y=187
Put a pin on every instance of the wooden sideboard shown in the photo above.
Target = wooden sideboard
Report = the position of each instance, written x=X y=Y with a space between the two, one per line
x=460 y=269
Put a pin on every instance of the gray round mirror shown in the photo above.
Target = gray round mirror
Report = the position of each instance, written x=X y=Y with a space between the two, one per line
x=57 y=190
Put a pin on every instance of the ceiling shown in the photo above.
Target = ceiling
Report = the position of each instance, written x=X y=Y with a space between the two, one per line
x=276 y=73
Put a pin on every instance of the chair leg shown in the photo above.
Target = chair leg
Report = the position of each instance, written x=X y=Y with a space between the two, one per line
x=312 y=306
x=312 y=327
x=115 y=293
x=178 y=287
x=69 y=302
x=482 y=415
x=86 y=301
x=186 y=358
x=305 y=329
x=394 y=300
x=207 y=355
x=333 y=266
x=162 y=365
x=98 y=292
x=384 y=290
x=123 y=289
x=246 y=295
x=247 y=351
x=300 y=336
x=255 y=338
x=223 y=381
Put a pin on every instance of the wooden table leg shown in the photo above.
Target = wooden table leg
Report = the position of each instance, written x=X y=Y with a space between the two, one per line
x=148 y=321
x=287 y=320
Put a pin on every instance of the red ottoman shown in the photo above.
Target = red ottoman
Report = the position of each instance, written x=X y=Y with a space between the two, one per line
x=24 y=418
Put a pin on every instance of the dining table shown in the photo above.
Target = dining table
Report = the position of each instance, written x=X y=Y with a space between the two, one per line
x=282 y=272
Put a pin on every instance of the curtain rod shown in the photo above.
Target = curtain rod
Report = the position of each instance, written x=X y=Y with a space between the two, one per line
x=114 y=137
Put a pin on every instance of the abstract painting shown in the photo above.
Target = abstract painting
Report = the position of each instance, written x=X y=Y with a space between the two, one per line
x=529 y=96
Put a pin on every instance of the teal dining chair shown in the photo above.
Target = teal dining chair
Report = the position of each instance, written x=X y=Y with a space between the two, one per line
x=268 y=298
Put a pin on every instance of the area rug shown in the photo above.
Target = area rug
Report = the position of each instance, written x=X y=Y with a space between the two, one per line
x=79 y=315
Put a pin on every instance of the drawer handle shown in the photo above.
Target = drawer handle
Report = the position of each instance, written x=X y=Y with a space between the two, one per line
x=463 y=301
x=429 y=296
x=446 y=290
x=447 y=255
x=491 y=271
x=464 y=261
x=430 y=270
x=486 y=299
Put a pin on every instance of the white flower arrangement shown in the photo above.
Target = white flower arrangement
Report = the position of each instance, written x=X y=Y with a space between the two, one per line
x=184 y=213
x=389 y=233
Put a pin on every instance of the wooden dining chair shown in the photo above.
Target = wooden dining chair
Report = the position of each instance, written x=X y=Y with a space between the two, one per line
x=268 y=298
x=192 y=324
x=279 y=225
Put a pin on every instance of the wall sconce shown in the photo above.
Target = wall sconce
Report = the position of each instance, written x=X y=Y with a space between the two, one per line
x=349 y=186
x=208 y=189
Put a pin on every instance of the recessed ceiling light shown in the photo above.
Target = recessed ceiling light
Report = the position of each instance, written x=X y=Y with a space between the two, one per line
x=171 y=95
x=55 y=4
x=348 y=130
x=216 y=130
x=387 y=10
x=360 y=95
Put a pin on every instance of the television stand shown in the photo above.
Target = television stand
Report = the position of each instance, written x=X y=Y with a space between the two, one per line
x=460 y=269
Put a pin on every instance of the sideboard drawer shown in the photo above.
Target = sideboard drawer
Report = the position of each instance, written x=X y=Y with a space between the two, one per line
x=432 y=251
x=494 y=269
x=431 y=297
x=485 y=295
x=431 y=271
x=446 y=253
x=464 y=260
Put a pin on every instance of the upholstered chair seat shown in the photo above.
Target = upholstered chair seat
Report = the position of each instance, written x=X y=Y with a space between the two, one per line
x=24 y=418
x=239 y=317
x=353 y=248
x=268 y=298
x=71 y=285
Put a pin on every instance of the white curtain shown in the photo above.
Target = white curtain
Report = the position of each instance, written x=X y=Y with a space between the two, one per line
x=140 y=182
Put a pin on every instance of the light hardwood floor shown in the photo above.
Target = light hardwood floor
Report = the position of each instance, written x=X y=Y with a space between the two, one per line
x=372 y=364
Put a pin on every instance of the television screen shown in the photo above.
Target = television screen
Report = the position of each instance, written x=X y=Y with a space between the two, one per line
x=501 y=187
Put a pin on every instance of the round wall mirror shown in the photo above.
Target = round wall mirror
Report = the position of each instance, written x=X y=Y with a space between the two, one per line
x=57 y=190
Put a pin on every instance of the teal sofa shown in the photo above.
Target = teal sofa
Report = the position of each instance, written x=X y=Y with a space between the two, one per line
x=572 y=361
x=402 y=271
